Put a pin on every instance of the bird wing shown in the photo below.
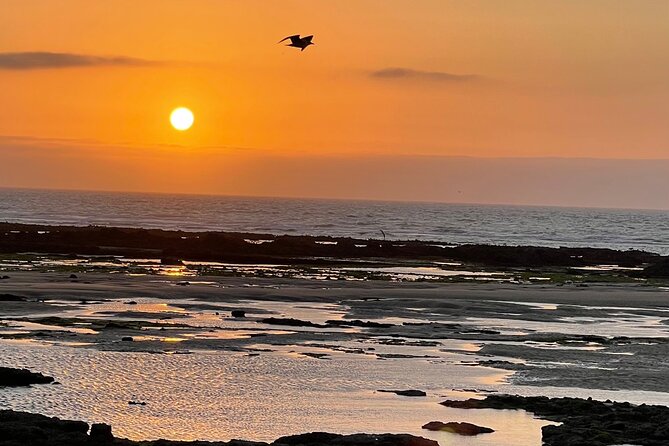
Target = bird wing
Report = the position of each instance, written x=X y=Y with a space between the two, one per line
x=308 y=38
x=292 y=38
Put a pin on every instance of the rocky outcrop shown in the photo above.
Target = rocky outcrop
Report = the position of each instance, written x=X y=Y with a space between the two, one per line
x=22 y=429
x=290 y=322
x=175 y=246
x=326 y=439
x=585 y=422
x=4 y=297
x=101 y=433
x=460 y=428
x=658 y=270
x=10 y=377
x=357 y=323
x=410 y=392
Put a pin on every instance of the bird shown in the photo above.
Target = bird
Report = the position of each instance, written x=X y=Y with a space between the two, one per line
x=298 y=42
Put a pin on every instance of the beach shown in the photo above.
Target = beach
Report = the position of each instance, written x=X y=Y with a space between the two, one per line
x=191 y=340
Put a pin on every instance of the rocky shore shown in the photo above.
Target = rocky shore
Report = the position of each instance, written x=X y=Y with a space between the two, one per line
x=173 y=246
x=585 y=422
x=10 y=377
x=22 y=428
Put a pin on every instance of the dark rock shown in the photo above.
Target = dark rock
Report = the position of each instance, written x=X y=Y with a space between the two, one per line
x=310 y=438
x=326 y=439
x=137 y=403
x=463 y=428
x=183 y=283
x=12 y=298
x=73 y=276
x=290 y=322
x=131 y=302
x=238 y=313
x=585 y=422
x=358 y=323
x=4 y=277
x=231 y=247
x=26 y=429
x=127 y=339
x=10 y=377
x=101 y=433
x=659 y=269
x=315 y=355
x=411 y=392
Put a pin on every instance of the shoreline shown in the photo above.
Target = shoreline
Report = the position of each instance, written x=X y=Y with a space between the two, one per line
x=175 y=246
x=550 y=330
x=20 y=428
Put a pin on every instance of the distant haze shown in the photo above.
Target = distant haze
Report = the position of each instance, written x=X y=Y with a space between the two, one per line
x=541 y=181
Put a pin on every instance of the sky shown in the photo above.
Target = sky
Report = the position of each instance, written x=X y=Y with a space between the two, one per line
x=515 y=101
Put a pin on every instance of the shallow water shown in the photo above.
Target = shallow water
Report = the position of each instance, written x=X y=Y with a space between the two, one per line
x=271 y=390
x=216 y=395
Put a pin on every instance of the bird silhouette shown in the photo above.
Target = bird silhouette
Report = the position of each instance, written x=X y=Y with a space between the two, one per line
x=298 y=42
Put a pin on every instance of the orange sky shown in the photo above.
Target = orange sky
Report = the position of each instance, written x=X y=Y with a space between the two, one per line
x=574 y=78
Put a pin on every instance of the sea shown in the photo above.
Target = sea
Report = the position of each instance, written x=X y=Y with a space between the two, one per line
x=621 y=229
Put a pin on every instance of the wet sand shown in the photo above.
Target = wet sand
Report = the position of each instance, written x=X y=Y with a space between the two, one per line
x=601 y=337
x=332 y=341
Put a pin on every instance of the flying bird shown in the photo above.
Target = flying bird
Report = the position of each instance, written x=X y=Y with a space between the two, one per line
x=298 y=42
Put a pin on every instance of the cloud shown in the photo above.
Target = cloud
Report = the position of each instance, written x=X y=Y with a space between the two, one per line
x=435 y=76
x=40 y=60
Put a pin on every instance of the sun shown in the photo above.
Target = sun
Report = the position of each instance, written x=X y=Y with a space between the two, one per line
x=181 y=118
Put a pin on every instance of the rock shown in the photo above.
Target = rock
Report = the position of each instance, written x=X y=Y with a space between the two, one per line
x=183 y=283
x=21 y=428
x=73 y=276
x=411 y=392
x=310 y=438
x=27 y=429
x=326 y=439
x=131 y=302
x=585 y=422
x=137 y=403
x=315 y=355
x=127 y=339
x=101 y=433
x=4 y=277
x=658 y=270
x=238 y=313
x=290 y=322
x=12 y=298
x=10 y=377
x=357 y=323
x=462 y=428
x=171 y=261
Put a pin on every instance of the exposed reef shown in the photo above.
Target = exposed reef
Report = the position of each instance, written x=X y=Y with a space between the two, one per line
x=22 y=428
x=10 y=377
x=174 y=246
x=585 y=422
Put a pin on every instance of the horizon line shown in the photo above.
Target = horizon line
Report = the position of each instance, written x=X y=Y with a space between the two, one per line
x=287 y=197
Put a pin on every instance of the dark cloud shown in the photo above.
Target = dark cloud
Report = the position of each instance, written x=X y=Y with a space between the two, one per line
x=40 y=60
x=436 y=76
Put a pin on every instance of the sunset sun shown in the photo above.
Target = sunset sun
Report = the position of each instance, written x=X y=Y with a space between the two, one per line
x=181 y=118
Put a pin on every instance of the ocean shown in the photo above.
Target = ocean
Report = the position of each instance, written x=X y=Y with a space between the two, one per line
x=621 y=229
